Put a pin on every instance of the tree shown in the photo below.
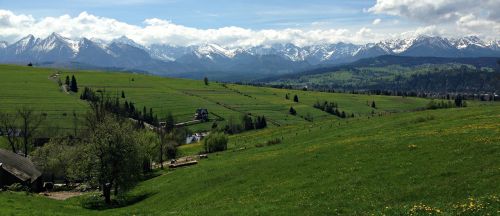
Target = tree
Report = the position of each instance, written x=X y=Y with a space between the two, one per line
x=9 y=129
x=163 y=139
x=292 y=111
x=205 y=80
x=296 y=98
x=113 y=156
x=247 y=122
x=215 y=142
x=287 y=97
x=67 y=81
x=30 y=122
x=73 y=85
x=169 y=122
x=30 y=64
x=373 y=105
x=123 y=94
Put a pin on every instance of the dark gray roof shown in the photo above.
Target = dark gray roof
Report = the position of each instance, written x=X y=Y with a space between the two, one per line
x=19 y=166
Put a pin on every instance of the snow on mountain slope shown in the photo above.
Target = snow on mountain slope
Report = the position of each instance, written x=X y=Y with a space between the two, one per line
x=3 y=44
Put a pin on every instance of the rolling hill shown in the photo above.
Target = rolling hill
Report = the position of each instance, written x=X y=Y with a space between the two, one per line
x=397 y=161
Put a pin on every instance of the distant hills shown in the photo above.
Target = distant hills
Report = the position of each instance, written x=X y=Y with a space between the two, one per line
x=223 y=63
x=400 y=74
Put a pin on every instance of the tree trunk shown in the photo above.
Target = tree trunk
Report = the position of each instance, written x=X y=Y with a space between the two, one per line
x=106 y=189
x=161 y=156
x=116 y=189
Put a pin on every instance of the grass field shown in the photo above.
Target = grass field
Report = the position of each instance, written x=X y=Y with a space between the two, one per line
x=26 y=86
x=402 y=162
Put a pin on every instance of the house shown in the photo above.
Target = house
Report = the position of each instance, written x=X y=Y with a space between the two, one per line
x=201 y=114
x=15 y=168
x=196 y=137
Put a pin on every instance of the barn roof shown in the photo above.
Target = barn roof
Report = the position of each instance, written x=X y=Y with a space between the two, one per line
x=19 y=166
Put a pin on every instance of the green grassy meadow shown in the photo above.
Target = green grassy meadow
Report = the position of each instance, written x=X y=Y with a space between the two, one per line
x=397 y=162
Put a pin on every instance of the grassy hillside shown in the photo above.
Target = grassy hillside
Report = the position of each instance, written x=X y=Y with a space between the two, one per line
x=389 y=164
x=26 y=86
x=398 y=162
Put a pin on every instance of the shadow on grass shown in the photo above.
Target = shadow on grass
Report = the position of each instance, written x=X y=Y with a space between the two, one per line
x=95 y=201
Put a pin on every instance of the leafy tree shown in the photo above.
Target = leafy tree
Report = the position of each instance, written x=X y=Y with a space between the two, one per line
x=292 y=111
x=296 y=98
x=73 y=85
x=215 y=142
x=110 y=155
x=205 y=80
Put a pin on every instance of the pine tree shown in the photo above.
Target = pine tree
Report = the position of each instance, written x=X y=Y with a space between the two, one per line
x=123 y=94
x=73 y=85
x=292 y=111
x=67 y=81
x=248 y=123
x=169 y=122
x=205 y=80
x=287 y=97
x=296 y=98
x=373 y=105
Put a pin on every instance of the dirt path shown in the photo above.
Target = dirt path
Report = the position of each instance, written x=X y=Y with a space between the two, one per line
x=62 y=195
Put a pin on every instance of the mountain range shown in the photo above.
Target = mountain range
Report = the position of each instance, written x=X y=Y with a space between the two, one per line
x=223 y=63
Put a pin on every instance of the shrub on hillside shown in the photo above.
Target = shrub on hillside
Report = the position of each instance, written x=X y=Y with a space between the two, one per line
x=215 y=142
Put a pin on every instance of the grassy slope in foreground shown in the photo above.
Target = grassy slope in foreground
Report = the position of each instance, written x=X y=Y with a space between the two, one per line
x=379 y=165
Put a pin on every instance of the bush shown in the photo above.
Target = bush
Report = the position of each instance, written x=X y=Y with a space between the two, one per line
x=17 y=187
x=215 y=142
x=274 y=141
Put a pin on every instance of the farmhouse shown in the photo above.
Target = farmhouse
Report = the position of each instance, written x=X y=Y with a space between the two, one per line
x=201 y=114
x=15 y=168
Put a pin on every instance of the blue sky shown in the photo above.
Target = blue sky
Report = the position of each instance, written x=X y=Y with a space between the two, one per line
x=236 y=23
x=256 y=14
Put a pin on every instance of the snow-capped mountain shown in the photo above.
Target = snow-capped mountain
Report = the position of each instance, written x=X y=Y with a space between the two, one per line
x=3 y=44
x=124 y=53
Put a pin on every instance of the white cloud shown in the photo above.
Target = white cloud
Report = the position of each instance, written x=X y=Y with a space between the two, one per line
x=480 y=17
x=376 y=21
x=14 y=26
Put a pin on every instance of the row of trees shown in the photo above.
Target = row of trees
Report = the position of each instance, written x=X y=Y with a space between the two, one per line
x=127 y=109
x=295 y=98
x=246 y=124
x=332 y=108
x=72 y=85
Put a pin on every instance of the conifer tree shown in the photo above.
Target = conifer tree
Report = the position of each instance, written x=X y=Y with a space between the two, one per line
x=67 y=81
x=73 y=86
x=296 y=98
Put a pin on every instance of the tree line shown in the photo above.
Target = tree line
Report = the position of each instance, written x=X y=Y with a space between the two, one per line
x=332 y=108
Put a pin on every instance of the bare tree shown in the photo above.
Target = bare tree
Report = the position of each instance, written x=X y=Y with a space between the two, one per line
x=30 y=123
x=9 y=129
x=163 y=135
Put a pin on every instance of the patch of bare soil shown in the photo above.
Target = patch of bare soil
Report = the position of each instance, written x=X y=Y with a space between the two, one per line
x=61 y=195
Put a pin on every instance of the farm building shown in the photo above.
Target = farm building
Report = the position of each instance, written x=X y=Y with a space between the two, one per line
x=201 y=114
x=15 y=168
